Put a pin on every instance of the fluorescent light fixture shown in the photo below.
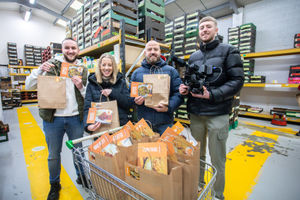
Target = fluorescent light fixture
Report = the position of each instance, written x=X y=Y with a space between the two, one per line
x=27 y=15
x=61 y=22
x=76 y=5
x=32 y=1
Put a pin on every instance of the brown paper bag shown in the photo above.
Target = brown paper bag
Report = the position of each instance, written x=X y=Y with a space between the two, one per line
x=110 y=105
x=156 y=185
x=190 y=174
x=161 y=89
x=51 y=92
x=114 y=165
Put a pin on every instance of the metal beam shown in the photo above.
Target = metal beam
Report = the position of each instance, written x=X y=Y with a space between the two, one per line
x=234 y=6
x=64 y=10
x=36 y=6
x=217 y=8
x=169 y=1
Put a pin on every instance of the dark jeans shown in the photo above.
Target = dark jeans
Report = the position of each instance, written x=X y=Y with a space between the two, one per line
x=54 y=133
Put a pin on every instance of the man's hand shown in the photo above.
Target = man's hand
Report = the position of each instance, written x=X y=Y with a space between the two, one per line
x=205 y=94
x=183 y=89
x=77 y=82
x=139 y=100
x=46 y=66
x=106 y=92
x=161 y=108
x=94 y=127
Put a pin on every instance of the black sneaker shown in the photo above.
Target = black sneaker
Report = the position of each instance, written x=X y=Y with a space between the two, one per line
x=54 y=191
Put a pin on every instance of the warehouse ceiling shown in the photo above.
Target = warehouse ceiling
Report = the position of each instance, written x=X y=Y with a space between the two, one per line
x=52 y=10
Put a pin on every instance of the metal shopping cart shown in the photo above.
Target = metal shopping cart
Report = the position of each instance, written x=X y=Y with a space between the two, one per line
x=98 y=181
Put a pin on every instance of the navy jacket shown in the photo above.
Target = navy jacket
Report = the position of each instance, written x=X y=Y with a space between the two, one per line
x=119 y=93
x=175 y=99
x=226 y=81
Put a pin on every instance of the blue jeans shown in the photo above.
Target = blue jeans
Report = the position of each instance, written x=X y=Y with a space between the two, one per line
x=54 y=133
x=161 y=128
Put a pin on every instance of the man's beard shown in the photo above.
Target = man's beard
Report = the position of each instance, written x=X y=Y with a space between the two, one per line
x=68 y=60
x=151 y=61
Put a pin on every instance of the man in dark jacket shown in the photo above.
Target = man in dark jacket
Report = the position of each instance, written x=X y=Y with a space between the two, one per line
x=160 y=116
x=209 y=110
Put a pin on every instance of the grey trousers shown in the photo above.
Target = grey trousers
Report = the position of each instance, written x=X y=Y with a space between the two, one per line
x=216 y=128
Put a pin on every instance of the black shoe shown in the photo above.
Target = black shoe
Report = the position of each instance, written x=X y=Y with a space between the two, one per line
x=80 y=180
x=298 y=134
x=54 y=191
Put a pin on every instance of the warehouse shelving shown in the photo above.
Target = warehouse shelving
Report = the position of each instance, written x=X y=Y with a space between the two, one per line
x=283 y=52
x=18 y=81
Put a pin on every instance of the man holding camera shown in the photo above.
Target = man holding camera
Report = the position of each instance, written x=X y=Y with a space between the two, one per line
x=209 y=109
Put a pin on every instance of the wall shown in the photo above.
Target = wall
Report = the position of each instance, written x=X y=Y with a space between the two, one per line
x=36 y=31
x=276 y=23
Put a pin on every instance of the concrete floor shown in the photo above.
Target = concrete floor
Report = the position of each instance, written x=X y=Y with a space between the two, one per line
x=276 y=156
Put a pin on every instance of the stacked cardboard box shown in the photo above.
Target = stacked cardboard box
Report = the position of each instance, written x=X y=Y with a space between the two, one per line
x=294 y=74
x=46 y=54
x=248 y=65
x=113 y=11
x=28 y=53
x=234 y=36
x=191 y=33
x=12 y=53
x=297 y=40
x=152 y=17
x=87 y=24
x=181 y=112
x=79 y=30
x=179 y=33
x=37 y=55
x=247 y=38
x=169 y=35
x=95 y=18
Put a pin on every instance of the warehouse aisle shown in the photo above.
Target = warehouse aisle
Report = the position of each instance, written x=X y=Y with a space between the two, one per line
x=262 y=161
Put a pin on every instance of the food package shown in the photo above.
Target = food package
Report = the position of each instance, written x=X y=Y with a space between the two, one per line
x=141 y=89
x=153 y=156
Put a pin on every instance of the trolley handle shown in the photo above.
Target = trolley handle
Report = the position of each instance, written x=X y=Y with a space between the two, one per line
x=70 y=143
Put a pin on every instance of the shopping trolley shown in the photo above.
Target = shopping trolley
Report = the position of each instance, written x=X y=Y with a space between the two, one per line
x=112 y=187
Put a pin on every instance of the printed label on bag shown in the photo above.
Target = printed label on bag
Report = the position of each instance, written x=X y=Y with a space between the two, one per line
x=141 y=89
x=69 y=70
x=101 y=143
x=99 y=115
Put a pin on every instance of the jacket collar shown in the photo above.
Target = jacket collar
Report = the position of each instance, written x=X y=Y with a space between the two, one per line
x=209 y=46
x=159 y=64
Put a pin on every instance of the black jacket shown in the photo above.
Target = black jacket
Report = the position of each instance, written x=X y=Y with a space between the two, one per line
x=225 y=82
x=120 y=93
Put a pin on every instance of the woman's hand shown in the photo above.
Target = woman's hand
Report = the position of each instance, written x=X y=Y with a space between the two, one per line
x=94 y=127
x=106 y=92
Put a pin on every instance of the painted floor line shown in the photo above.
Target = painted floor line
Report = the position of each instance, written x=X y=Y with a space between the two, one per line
x=36 y=153
x=244 y=163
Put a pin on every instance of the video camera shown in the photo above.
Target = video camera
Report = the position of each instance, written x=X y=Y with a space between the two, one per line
x=195 y=74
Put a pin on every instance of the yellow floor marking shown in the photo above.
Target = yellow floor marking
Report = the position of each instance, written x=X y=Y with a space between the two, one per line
x=36 y=153
x=30 y=105
x=244 y=163
x=282 y=129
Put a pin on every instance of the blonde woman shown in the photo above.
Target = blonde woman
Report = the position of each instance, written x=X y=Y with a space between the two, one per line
x=108 y=83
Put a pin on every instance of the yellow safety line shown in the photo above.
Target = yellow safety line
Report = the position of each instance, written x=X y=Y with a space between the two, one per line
x=281 y=129
x=244 y=163
x=36 y=153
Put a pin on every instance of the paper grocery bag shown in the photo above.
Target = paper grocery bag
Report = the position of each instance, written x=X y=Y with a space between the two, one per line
x=51 y=92
x=190 y=174
x=109 y=105
x=161 y=89
x=156 y=185
x=101 y=181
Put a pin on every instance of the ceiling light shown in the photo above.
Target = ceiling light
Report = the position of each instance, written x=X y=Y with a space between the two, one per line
x=32 y=1
x=27 y=15
x=76 y=5
x=61 y=22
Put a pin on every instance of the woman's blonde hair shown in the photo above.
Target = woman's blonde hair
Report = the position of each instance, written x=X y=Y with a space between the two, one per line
x=98 y=73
